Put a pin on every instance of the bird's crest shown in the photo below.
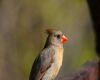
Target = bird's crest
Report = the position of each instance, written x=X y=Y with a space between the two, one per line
x=50 y=31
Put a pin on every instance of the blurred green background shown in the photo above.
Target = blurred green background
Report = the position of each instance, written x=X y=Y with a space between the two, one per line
x=22 y=34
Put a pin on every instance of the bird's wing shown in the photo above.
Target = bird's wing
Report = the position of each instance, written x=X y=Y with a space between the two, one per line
x=41 y=64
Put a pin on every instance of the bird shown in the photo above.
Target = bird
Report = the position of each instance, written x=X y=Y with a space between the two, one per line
x=49 y=61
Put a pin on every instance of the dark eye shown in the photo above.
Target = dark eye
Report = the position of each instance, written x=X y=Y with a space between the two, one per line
x=58 y=36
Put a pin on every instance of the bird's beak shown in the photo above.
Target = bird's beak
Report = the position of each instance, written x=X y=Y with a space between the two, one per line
x=64 y=38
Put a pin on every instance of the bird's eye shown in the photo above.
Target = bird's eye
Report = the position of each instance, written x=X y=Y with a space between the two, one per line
x=58 y=36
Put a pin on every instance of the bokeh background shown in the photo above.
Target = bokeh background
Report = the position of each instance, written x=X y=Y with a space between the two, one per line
x=22 y=34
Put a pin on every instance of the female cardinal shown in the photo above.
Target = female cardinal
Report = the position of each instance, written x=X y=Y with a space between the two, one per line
x=47 y=64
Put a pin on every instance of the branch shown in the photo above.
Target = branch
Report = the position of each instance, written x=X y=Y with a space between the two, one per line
x=89 y=71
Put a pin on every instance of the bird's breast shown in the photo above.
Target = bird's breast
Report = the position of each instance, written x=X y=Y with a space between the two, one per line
x=55 y=67
x=58 y=57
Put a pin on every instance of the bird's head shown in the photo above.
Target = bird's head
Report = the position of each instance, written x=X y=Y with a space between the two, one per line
x=55 y=37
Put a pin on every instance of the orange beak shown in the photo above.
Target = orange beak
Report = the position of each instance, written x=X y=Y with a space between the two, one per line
x=64 y=38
